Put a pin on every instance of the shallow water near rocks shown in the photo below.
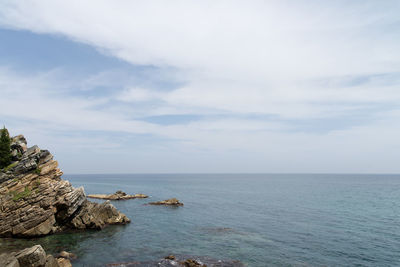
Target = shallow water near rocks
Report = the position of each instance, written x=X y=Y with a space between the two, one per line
x=259 y=219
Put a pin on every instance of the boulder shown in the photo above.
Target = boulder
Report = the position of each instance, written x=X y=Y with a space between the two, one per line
x=30 y=257
x=51 y=261
x=96 y=216
x=35 y=201
x=8 y=260
x=34 y=256
x=168 y=202
x=62 y=262
x=67 y=255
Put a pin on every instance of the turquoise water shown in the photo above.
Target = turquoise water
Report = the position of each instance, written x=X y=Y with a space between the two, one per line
x=262 y=220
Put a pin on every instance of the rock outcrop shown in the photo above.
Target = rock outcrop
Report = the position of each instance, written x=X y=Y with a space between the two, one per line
x=33 y=257
x=168 y=202
x=119 y=195
x=35 y=201
x=182 y=261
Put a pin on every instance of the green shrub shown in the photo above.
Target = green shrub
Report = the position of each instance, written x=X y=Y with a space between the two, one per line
x=10 y=166
x=5 y=148
x=36 y=183
x=19 y=195
x=38 y=170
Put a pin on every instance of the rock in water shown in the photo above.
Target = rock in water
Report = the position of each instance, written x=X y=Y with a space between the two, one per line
x=62 y=262
x=67 y=255
x=35 y=201
x=181 y=261
x=33 y=257
x=119 y=195
x=168 y=202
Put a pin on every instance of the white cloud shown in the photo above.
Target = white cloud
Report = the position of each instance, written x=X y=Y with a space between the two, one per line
x=139 y=95
x=293 y=60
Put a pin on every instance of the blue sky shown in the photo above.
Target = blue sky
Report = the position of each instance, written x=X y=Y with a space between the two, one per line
x=211 y=86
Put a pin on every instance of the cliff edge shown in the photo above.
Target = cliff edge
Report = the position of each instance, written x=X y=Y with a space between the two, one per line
x=35 y=201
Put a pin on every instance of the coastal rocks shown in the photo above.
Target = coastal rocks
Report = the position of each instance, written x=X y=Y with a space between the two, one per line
x=63 y=262
x=192 y=263
x=33 y=257
x=67 y=255
x=119 y=195
x=18 y=147
x=181 y=261
x=168 y=202
x=52 y=262
x=35 y=201
x=96 y=216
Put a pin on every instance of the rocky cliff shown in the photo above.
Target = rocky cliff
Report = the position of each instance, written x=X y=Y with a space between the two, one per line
x=35 y=201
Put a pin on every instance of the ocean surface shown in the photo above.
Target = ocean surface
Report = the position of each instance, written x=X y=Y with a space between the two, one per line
x=259 y=219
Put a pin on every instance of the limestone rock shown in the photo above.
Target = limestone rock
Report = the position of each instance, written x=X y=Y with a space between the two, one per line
x=51 y=261
x=168 y=202
x=96 y=216
x=8 y=260
x=34 y=256
x=62 y=262
x=35 y=201
x=67 y=255
x=119 y=195
x=18 y=147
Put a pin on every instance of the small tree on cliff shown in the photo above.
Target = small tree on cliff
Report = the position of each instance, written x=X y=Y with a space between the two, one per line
x=5 y=149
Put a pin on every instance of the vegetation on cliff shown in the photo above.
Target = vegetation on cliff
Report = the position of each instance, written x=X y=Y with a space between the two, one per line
x=5 y=148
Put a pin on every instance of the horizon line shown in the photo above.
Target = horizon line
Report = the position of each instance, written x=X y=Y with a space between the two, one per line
x=205 y=173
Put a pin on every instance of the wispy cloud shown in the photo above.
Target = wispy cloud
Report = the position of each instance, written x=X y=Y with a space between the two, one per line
x=257 y=77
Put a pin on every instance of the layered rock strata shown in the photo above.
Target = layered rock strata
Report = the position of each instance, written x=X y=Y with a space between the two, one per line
x=119 y=195
x=35 y=201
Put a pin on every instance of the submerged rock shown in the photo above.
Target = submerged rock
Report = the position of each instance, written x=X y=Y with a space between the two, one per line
x=62 y=262
x=168 y=202
x=192 y=263
x=33 y=257
x=119 y=195
x=181 y=261
x=170 y=257
x=35 y=201
x=67 y=255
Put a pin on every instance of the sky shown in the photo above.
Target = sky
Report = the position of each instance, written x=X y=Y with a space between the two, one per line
x=212 y=86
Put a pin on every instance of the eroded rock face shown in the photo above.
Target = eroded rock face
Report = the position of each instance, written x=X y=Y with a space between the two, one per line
x=168 y=202
x=119 y=195
x=35 y=201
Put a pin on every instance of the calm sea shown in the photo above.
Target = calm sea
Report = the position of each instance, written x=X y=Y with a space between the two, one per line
x=259 y=219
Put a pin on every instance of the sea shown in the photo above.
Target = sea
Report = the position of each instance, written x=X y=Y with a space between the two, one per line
x=259 y=219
